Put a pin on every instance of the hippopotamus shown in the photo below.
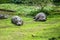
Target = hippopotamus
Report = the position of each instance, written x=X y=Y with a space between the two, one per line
x=40 y=17
x=17 y=20
x=3 y=16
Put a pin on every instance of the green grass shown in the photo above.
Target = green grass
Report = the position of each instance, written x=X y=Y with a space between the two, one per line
x=20 y=9
x=30 y=30
x=40 y=30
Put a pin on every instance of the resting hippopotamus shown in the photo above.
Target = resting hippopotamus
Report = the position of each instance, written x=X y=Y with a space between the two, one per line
x=3 y=16
x=17 y=20
x=40 y=17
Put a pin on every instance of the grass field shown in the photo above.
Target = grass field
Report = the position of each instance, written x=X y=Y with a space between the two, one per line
x=20 y=9
x=31 y=30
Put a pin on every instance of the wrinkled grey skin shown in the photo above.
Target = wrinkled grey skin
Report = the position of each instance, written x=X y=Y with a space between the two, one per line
x=40 y=17
x=17 y=20
x=3 y=16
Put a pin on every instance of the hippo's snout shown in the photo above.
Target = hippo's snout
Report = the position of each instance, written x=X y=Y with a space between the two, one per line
x=19 y=23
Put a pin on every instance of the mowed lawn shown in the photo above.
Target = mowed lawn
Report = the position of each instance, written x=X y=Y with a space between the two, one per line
x=30 y=30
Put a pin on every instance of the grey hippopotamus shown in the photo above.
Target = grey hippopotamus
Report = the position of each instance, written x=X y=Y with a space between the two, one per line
x=40 y=17
x=3 y=16
x=17 y=20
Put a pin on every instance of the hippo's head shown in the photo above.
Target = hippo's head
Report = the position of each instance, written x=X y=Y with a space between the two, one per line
x=19 y=23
